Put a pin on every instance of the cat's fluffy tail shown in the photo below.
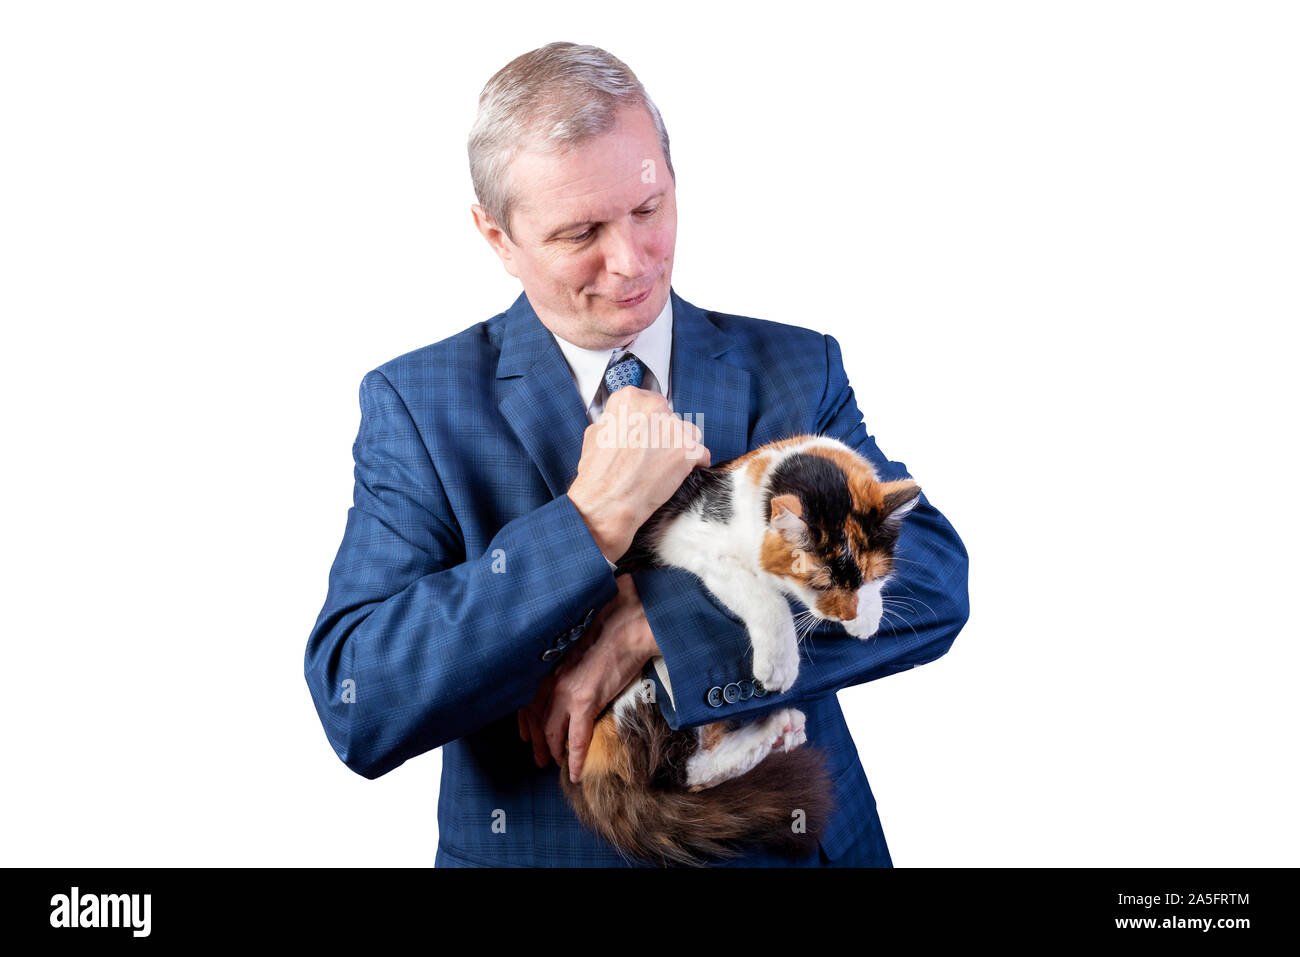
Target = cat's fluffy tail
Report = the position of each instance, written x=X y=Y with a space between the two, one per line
x=632 y=793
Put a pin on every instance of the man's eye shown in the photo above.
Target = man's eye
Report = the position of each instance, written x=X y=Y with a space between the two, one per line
x=580 y=238
x=647 y=212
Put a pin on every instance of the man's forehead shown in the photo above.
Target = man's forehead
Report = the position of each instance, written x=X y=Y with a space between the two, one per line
x=606 y=175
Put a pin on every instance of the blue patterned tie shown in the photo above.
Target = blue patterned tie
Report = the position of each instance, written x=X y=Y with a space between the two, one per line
x=628 y=370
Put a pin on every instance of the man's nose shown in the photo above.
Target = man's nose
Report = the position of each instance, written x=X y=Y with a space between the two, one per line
x=623 y=253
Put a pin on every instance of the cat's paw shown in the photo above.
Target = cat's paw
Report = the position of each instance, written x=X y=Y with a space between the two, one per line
x=777 y=668
x=787 y=727
x=737 y=751
x=871 y=608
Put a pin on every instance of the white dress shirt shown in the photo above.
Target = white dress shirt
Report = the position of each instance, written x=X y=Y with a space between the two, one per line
x=653 y=346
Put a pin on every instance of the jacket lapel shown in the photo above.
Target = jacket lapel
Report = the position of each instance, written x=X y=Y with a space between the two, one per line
x=713 y=393
x=541 y=404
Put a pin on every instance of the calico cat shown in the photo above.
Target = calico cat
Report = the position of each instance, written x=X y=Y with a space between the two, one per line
x=806 y=517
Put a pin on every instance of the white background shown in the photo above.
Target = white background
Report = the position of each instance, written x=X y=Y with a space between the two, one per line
x=1057 y=241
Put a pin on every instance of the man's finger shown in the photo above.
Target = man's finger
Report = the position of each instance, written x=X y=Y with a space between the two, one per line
x=557 y=730
x=580 y=728
x=537 y=735
x=535 y=714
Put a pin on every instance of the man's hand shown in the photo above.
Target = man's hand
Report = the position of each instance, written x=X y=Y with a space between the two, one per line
x=634 y=457
x=612 y=652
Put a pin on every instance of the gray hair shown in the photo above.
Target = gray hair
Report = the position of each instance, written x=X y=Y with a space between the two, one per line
x=550 y=99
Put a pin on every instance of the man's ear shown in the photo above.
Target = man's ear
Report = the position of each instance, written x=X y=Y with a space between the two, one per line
x=496 y=237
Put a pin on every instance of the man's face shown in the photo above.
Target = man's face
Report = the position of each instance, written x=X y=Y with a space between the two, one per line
x=594 y=231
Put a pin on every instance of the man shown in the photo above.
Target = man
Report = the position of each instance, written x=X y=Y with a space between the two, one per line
x=473 y=604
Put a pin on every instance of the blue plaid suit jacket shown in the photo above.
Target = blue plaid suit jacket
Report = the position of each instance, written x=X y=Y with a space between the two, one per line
x=464 y=562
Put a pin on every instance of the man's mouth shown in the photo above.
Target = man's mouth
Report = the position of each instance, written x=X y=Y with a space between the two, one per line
x=634 y=300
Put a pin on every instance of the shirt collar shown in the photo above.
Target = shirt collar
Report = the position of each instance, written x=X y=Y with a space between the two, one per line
x=653 y=346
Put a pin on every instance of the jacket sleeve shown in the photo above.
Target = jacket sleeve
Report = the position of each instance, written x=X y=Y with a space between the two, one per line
x=417 y=644
x=704 y=646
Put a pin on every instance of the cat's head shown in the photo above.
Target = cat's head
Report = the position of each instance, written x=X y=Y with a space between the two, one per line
x=832 y=530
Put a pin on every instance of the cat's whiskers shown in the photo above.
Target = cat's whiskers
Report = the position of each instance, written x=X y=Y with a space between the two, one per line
x=886 y=613
x=887 y=618
x=810 y=628
x=810 y=623
x=898 y=601
x=804 y=623
x=911 y=597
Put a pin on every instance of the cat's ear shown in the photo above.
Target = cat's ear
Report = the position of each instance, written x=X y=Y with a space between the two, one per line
x=900 y=498
x=787 y=518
